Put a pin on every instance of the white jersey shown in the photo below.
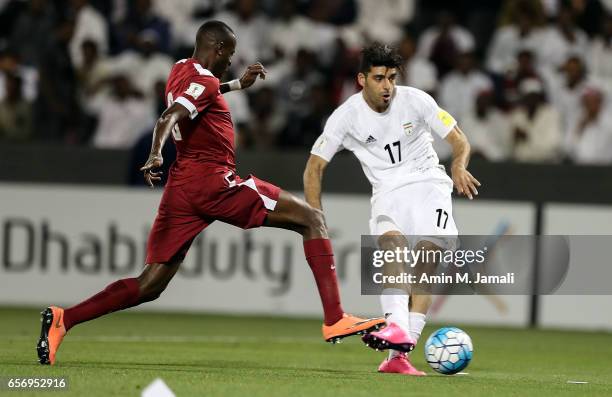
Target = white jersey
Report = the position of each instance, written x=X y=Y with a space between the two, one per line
x=393 y=147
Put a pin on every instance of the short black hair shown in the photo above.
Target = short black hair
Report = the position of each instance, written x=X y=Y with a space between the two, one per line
x=212 y=30
x=377 y=54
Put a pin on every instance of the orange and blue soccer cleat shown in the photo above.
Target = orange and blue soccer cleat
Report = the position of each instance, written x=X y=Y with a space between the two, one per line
x=52 y=333
x=350 y=325
x=400 y=364
x=390 y=337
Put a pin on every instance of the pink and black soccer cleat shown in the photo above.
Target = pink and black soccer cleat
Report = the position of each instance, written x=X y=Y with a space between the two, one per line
x=390 y=337
x=400 y=364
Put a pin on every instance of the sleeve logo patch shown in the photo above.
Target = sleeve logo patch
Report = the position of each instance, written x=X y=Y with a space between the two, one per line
x=195 y=90
x=321 y=142
x=445 y=118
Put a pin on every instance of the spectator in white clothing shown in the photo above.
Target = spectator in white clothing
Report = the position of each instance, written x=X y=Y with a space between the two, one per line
x=146 y=65
x=89 y=24
x=524 y=69
x=535 y=126
x=240 y=112
x=383 y=20
x=591 y=137
x=416 y=72
x=142 y=17
x=600 y=54
x=93 y=70
x=294 y=88
x=28 y=76
x=488 y=129
x=522 y=33
x=267 y=120
x=252 y=28
x=122 y=115
x=459 y=89
x=442 y=43
x=179 y=15
x=566 y=91
x=562 y=40
x=291 y=31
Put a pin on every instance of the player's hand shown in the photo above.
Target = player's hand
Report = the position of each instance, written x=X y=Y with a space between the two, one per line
x=464 y=182
x=251 y=73
x=150 y=175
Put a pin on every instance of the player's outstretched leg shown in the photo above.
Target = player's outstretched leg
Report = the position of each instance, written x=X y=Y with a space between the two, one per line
x=394 y=301
x=403 y=330
x=294 y=214
x=420 y=301
x=119 y=295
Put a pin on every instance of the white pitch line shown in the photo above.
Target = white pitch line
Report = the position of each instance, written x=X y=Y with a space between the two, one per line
x=577 y=382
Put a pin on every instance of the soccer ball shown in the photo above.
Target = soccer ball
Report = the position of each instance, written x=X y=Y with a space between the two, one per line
x=448 y=350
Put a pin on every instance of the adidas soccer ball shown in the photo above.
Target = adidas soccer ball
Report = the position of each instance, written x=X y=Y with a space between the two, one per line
x=448 y=350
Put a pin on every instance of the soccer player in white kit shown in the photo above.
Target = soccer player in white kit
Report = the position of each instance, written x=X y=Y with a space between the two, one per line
x=389 y=128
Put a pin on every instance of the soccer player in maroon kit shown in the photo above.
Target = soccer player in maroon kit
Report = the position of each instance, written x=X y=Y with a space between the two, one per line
x=203 y=187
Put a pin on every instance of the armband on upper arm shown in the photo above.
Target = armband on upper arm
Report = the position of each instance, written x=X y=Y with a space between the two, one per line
x=446 y=118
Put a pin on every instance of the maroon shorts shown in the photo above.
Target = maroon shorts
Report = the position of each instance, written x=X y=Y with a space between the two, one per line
x=185 y=210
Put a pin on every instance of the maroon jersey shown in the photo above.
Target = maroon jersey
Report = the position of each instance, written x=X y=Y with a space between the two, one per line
x=203 y=186
x=206 y=139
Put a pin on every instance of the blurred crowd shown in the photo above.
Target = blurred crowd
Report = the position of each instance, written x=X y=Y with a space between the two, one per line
x=528 y=80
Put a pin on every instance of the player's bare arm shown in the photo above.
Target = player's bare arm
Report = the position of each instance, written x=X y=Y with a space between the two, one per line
x=464 y=181
x=161 y=132
x=313 y=176
x=248 y=78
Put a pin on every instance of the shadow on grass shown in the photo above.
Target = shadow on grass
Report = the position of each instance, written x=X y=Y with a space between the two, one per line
x=211 y=366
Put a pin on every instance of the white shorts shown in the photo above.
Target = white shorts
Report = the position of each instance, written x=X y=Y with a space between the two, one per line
x=420 y=210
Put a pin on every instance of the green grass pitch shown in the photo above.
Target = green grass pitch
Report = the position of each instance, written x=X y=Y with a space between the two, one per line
x=210 y=355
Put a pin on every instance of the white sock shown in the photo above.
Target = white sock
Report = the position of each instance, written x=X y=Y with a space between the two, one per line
x=394 y=302
x=417 y=323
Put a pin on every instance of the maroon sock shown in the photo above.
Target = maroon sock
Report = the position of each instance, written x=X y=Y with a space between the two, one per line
x=116 y=296
x=320 y=257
